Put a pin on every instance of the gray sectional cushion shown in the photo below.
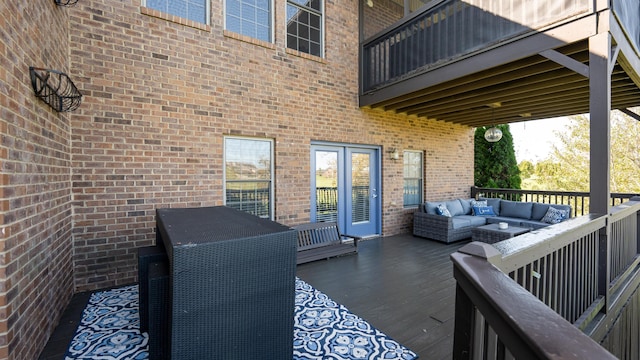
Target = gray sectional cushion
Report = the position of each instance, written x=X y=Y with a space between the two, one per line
x=430 y=206
x=473 y=220
x=455 y=208
x=460 y=222
x=466 y=206
x=516 y=209
x=495 y=203
x=538 y=211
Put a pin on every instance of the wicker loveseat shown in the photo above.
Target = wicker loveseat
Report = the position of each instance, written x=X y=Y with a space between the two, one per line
x=428 y=223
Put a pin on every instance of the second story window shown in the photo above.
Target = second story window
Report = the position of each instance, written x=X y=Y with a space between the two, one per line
x=249 y=17
x=304 y=26
x=195 y=10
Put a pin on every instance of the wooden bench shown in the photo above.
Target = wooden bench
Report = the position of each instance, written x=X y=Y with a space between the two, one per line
x=323 y=240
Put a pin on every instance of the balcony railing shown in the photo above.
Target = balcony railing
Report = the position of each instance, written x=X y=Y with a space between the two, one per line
x=454 y=28
x=579 y=201
x=544 y=293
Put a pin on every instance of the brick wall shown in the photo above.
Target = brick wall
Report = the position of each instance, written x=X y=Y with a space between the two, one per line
x=35 y=241
x=383 y=14
x=161 y=93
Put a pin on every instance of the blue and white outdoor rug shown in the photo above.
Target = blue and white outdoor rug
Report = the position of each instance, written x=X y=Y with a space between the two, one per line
x=323 y=329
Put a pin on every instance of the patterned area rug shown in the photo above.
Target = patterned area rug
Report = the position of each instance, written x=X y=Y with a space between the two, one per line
x=323 y=329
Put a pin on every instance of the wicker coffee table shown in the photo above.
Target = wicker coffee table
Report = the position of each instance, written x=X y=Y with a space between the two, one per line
x=492 y=233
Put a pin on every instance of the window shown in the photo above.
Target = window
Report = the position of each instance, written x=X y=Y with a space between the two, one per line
x=248 y=172
x=195 y=10
x=304 y=26
x=412 y=178
x=249 y=17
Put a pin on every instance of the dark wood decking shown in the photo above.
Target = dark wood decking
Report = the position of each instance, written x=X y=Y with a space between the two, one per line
x=400 y=284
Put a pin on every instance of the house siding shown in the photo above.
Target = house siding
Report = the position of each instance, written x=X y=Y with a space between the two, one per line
x=36 y=274
x=80 y=189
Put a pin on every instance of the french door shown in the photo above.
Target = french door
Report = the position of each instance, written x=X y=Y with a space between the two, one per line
x=345 y=187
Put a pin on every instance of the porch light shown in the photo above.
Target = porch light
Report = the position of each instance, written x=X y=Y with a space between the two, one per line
x=493 y=134
x=393 y=154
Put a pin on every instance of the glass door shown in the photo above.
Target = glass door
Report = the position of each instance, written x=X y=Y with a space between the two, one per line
x=344 y=188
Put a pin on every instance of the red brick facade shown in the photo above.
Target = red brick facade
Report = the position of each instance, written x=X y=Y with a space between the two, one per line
x=36 y=273
x=160 y=94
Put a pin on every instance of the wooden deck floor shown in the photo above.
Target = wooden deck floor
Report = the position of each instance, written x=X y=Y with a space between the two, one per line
x=401 y=285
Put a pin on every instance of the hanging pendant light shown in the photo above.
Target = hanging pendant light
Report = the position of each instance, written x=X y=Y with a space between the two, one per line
x=493 y=134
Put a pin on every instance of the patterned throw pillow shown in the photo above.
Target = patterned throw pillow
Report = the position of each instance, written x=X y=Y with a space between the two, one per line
x=554 y=216
x=483 y=211
x=478 y=204
x=441 y=209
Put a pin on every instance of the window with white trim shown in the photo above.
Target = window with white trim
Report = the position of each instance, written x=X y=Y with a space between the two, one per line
x=195 y=10
x=412 y=190
x=248 y=173
x=250 y=18
x=305 y=26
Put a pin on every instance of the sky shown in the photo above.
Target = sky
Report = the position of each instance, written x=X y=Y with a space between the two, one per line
x=533 y=140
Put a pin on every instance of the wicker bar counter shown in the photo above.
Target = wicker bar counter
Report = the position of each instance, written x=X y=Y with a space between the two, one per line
x=232 y=284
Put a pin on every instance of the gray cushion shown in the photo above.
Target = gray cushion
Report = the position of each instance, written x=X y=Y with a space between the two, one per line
x=455 y=208
x=495 y=203
x=430 y=206
x=466 y=206
x=473 y=220
x=538 y=211
x=516 y=209
x=459 y=223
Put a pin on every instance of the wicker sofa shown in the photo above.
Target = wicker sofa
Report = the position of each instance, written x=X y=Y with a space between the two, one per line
x=428 y=223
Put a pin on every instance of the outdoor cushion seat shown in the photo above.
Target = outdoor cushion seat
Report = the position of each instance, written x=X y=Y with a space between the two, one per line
x=459 y=223
x=474 y=220
x=452 y=220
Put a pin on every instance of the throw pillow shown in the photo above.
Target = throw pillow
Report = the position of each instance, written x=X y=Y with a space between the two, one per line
x=442 y=210
x=483 y=211
x=477 y=203
x=554 y=216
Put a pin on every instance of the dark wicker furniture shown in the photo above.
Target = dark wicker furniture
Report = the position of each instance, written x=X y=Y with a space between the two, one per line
x=317 y=241
x=438 y=227
x=232 y=279
x=147 y=256
x=492 y=233
x=158 y=321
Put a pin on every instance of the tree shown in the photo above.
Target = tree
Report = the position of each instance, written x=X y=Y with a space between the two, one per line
x=495 y=163
x=570 y=158
x=527 y=169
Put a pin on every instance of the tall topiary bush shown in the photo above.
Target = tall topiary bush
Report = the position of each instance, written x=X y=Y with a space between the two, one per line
x=495 y=163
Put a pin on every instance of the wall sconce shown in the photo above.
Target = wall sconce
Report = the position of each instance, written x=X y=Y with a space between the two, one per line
x=370 y=3
x=393 y=154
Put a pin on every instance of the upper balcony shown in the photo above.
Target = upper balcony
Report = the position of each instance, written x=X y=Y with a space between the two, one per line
x=482 y=62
